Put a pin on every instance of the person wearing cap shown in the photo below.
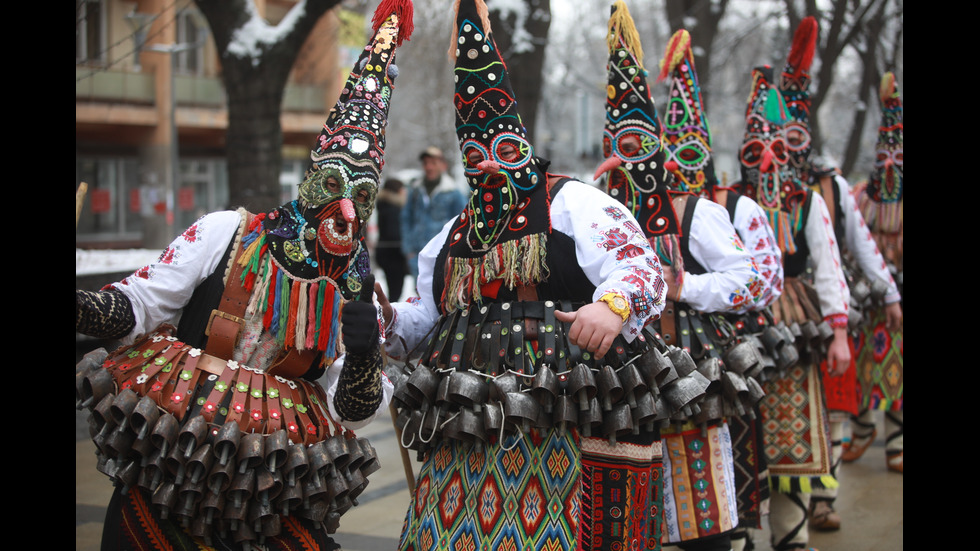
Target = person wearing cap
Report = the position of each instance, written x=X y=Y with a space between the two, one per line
x=433 y=199
x=881 y=346
x=222 y=432
x=529 y=301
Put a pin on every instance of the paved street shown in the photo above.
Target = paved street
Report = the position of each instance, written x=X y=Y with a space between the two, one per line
x=871 y=501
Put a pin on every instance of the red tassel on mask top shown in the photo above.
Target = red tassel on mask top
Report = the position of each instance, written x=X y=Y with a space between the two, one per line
x=404 y=9
x=804 y=46
x=677 y=49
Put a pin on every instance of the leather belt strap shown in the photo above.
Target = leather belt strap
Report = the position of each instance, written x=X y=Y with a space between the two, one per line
x=254 y=403
x=221 y=389
x=547 y=328
x=457 y=336
x=294 y=364
x=239 y=391
x=495 y=354
x=166 y=373
x=226 y=321
x=574 y=352
x=187 y=379
x=668 y=323
x=505 y=334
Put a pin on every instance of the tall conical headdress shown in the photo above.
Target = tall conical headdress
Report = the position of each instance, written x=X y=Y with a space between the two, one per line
x=498 y=159
x=794 y=85
x=764 y=159
x=883 y=211
x=317 y=257
x=315 y=237
x=502 y=232
x=632 y=143
x=686 y=132
x=352 y=142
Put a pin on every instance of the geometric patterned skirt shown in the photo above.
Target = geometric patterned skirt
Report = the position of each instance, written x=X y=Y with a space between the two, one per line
x=133 y=523
x=880 y=371
x=540 y=491
x=699 y=483
x=796 y=431
x=751 y=470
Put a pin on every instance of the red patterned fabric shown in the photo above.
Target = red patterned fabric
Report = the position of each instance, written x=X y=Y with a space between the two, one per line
x=623 y=494
x=842 y=392
x=881 y=365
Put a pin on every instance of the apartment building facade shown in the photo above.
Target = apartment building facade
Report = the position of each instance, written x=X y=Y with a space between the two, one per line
x=150 y=114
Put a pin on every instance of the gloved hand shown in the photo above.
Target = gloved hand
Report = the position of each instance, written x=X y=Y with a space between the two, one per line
x=359 y=317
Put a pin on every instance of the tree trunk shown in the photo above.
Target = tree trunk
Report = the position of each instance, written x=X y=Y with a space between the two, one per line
x=707 y=16
x=870 y=77
x=254 y=139
x=254 y=84
x=524 y=66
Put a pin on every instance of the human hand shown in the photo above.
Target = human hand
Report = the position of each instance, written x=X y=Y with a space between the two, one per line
x=893 y=316
x=594 y=327
x=387 y=312
x=360 y=320
x=675 y=281
x=839 y=353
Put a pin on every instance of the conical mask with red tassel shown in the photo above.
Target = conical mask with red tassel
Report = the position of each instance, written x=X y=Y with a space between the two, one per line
x=794 y=85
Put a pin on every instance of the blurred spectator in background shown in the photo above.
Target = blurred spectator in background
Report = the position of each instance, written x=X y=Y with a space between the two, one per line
x=433 y=199
x=388 y=252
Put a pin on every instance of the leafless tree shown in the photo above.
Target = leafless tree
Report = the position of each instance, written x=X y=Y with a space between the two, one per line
x=255 y=82
x=521 y=32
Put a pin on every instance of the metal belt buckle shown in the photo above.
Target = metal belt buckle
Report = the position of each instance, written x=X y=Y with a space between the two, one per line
x=225 y=315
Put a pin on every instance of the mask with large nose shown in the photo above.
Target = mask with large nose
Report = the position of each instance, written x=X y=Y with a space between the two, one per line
x=886 y=183
x=764 y=158
x=320 y=235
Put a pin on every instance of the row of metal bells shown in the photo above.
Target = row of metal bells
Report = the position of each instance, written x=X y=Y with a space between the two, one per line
x=217 y=480
x=866 y=294
x=476 y=409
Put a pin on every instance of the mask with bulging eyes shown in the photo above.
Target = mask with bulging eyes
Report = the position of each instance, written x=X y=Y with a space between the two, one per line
x=686 y=136
x=501 y=173
x=886 y=184
x=765 y=162
x=634 y=167
x=336 y=181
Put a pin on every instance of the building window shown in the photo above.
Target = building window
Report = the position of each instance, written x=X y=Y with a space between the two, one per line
x=190 y=32
x=89 y=31
x=113 y=207
x=203 y=189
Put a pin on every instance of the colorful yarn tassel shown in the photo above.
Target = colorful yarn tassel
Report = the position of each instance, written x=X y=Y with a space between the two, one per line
x=521 y=261
x=622 y=28
x=404 y=9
